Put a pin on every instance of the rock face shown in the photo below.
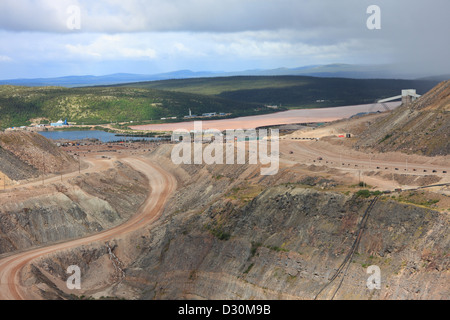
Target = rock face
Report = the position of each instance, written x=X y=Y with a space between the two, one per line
x=286 y=242
x=25 y=155
x=95 y=202
x=13 y=168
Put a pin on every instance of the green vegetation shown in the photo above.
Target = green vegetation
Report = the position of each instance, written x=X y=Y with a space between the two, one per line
x=219 y=233
x=100 y=105
x=255 y=246
x=363 y=193
x=245 y=194
x=364 y=185
x=420 y=199
x=148 y=102
x=367 y=193
x=291 y=91
x=386 y=137
x=277 y=249
x=249 y=268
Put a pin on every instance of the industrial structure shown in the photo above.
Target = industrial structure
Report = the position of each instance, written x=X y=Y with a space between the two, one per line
x=408 y=96
x=60 y=123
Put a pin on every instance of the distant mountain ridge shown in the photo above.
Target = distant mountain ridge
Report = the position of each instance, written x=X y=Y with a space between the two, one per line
x=441 y=78
x=89 y=80
x=324 y=71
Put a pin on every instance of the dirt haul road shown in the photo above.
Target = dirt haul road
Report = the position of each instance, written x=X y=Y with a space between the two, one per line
x=94 y=165
x=356 y=162
x=307 y=151
x=162 y=185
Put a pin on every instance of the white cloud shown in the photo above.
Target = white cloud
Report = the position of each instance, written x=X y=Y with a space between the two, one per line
x=112 y=47
x=5 y=59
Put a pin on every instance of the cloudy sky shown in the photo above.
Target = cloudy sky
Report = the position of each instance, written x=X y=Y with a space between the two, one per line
x=47 y=38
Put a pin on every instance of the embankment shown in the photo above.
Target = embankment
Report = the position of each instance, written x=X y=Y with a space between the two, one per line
x=86 y=204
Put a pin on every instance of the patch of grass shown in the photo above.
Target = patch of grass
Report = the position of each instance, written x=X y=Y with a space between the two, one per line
x=219 y=233
x=277 y=249
x=419 y=199
x=193 y=275
x=385 y=138
x=291 y=278
x=249 y=268
x=255 y=246
x=367 y=193
x=245 y=193
x=363 y=193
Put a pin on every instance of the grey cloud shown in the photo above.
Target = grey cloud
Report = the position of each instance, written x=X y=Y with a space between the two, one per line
x=414 y=33
x=181 y=15
x=28 y=15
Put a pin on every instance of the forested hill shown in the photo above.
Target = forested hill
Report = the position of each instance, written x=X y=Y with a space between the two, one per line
x=146 y=101
x=108 y=104
x=292 y=91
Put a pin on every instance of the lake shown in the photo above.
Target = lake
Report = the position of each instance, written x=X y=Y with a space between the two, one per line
x=102 y=136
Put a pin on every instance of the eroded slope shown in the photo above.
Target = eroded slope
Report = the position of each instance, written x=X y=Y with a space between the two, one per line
x=61 y=211
x=420 y=128
x=26 y=155
x=223 y=238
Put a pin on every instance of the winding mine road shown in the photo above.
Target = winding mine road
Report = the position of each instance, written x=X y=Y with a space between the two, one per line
x=162 y=185
x=345 y=160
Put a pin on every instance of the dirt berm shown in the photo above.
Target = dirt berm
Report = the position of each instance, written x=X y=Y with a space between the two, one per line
x=25 y=155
